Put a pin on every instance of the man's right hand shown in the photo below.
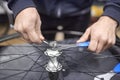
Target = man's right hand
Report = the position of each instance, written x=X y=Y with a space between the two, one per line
x=28 y=23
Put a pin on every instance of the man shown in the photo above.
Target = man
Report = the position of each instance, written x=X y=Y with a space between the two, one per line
x=101 y=34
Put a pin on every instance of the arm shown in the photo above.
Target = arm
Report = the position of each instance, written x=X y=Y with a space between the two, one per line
x=112 y=9
x=102 y=33
x=27 y=20
x=18 y=5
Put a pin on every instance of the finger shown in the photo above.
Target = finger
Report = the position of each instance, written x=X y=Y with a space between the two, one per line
x=19 y=29
x=106 y=46
x=93 y=44
x=25 y=36
x=33 y=36
x=85 y=36
x=109 y=44
x=100 y=46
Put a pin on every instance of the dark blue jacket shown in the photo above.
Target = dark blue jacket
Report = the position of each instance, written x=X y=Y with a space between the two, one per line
x=112 y=9
x=67 y=7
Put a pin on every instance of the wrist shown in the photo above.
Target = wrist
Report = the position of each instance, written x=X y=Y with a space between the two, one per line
x=109 y=20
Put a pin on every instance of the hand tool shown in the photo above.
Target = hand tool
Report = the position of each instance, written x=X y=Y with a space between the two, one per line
x=58 y=46
x=110 y=74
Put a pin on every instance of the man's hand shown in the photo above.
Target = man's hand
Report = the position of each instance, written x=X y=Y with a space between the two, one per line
x=101 y=34
x=28 y=23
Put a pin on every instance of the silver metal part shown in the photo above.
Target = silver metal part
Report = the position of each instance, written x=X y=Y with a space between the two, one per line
x=53 y=44
x=52 y=53
x=65 y=46
x=57 y=46
x=46 y=42
x=53 y=65
x=106 y=76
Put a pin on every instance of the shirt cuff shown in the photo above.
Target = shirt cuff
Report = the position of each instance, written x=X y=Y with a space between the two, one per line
x=112 y=12
x=19 y=5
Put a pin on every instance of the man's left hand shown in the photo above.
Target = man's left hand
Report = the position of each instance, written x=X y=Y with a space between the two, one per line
x=101 y=34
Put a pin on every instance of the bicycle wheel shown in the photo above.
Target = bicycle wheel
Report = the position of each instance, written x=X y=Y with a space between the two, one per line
x=29 y=62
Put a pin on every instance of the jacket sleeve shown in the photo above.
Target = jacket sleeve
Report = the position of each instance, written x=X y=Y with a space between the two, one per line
x=112 y=9
x=18 y=5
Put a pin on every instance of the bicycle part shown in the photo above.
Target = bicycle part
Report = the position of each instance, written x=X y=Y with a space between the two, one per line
x=57 y=46
x=53 y=65
x=65 y=46
x=28 y=62
x=8 y=37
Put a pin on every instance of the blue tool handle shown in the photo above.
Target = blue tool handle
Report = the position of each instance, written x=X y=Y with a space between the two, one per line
x=117 y=68
x=83 y=44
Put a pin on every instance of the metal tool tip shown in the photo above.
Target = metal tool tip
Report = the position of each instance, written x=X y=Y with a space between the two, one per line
x=46 y=42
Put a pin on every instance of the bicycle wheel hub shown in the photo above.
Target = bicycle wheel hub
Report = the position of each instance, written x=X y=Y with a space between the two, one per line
x=53 y=65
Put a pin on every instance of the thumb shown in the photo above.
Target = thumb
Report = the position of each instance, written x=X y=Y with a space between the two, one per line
x=85 y=36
